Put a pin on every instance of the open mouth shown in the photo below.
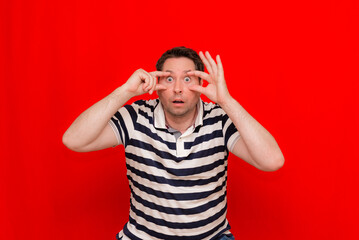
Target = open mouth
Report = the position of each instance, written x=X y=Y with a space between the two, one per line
x=177 y=101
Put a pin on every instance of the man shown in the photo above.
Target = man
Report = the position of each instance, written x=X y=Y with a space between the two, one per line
x=176 y=146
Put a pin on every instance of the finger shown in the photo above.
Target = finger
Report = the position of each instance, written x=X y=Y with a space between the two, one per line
x=201 y=75
x=145 y=85
x=206 y=63
x=160 y=74
x=145 y=81
x=197 y=88
x=160 y=87
x=156 y=75
x=213 y=63
x=220 y=66
x=151 y=82
x=157 y=86
x=153 y=86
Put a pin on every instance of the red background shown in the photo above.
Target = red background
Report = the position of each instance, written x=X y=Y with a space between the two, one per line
x=292 y=64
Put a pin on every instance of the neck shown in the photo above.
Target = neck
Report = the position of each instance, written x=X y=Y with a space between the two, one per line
x=181 y=123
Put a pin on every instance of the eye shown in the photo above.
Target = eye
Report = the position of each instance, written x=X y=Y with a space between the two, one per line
x=187 y=79
x=170 y=79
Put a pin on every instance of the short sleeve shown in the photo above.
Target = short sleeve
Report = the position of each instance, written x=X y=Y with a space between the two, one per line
x=122 y=123
x=230 y=132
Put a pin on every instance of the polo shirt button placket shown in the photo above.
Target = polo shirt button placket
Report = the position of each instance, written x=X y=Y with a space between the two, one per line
x=180 y=147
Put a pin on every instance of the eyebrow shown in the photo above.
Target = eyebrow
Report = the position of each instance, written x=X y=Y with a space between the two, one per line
x=185 y=71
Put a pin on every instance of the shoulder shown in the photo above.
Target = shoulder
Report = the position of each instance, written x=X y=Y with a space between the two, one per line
x=211 y=110
x=145 y=104
x=132 y=112
x=142 y=106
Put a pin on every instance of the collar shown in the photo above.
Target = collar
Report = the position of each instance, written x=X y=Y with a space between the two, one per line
x=160 y=120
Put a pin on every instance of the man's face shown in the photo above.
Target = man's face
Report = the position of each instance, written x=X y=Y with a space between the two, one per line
x=177 y=99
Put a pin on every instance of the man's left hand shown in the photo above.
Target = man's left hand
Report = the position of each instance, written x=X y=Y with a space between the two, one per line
x=216 y=90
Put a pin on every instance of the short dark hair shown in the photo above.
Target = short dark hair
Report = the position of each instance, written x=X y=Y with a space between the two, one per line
x=177 y=52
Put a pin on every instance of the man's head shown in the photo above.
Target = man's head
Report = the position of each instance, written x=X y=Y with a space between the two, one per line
x=178 y=52
x=177 y=99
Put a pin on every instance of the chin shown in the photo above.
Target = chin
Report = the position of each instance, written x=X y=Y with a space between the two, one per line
x=178 y=113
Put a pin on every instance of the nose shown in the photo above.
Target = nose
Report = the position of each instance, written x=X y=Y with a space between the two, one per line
x=178 y=86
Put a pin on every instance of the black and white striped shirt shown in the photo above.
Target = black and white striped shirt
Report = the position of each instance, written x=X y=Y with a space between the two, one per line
x=178 y=186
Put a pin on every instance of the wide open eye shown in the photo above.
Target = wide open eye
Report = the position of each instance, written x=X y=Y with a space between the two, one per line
x=170 y=79
x=187 y=79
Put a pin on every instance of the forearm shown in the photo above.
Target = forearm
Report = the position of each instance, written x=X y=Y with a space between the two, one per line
x=261 y=145
x=89 y=125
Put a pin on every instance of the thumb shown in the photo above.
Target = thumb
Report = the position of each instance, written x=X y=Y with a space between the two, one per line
x=197 y=88
x=160 y=87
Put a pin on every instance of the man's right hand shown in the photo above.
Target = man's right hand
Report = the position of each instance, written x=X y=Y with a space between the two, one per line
x=142 y=82
x=91 y=130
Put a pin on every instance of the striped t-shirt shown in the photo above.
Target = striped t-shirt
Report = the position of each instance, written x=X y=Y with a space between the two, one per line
x=178 y=186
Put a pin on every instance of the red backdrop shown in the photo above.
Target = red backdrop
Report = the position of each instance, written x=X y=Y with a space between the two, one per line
x=292 y=64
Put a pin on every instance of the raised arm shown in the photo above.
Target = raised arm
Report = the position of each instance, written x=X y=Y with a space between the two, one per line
x=91 y=131
x=256 y=145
